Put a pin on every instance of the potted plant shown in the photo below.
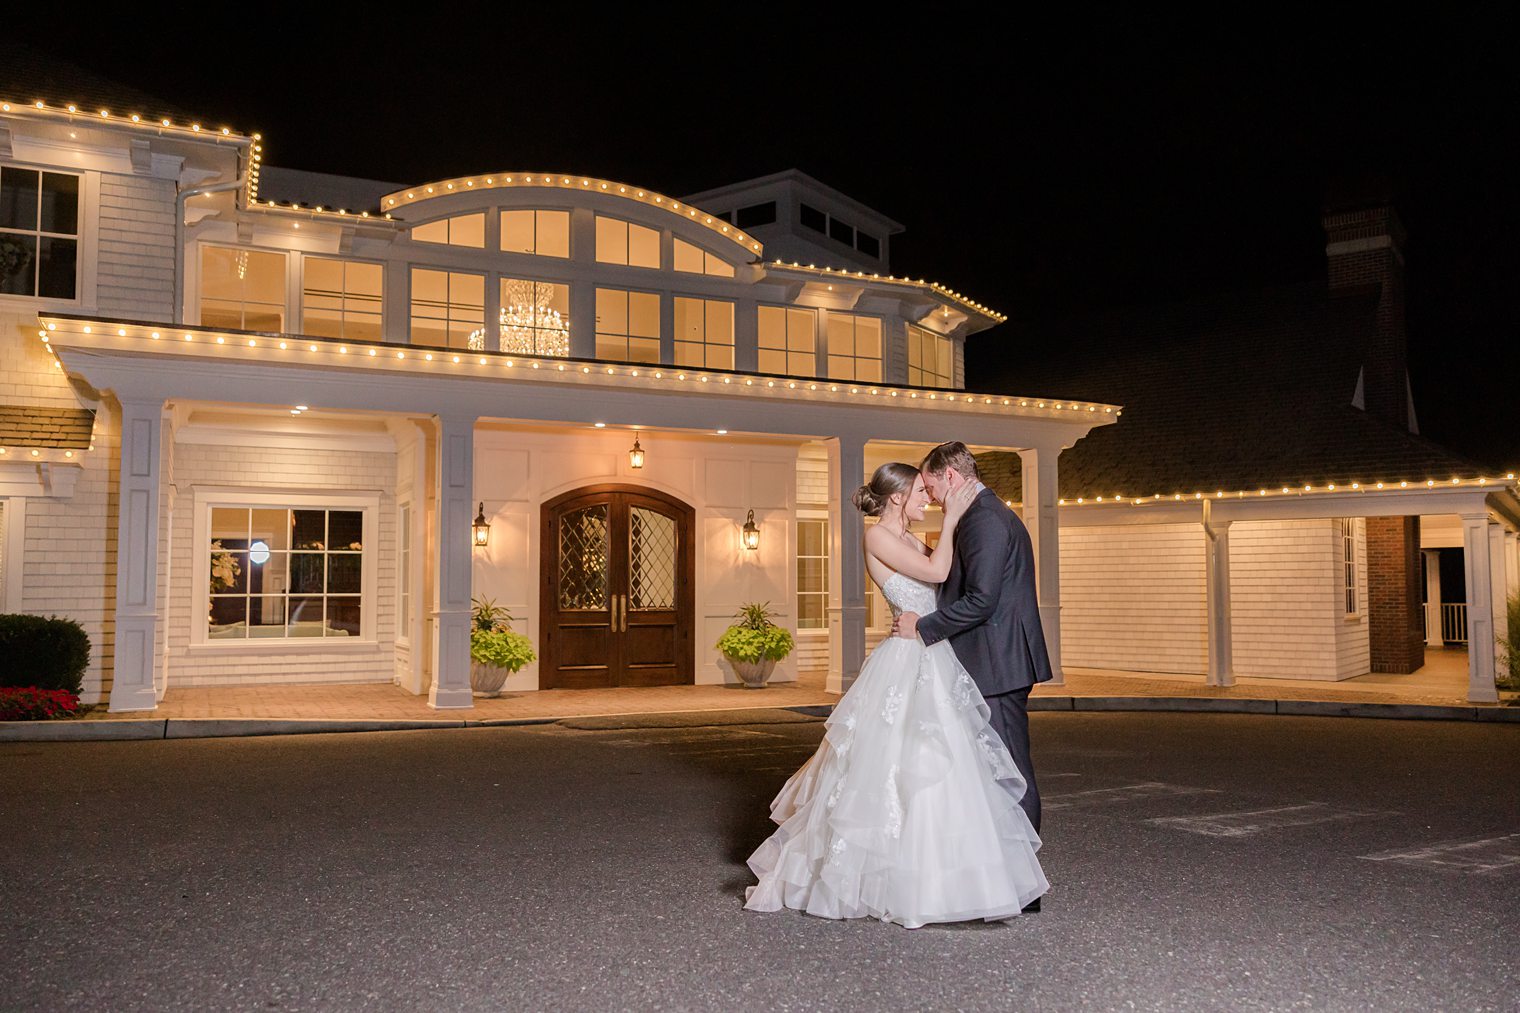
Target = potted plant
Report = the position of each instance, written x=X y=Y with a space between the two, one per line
x=496 y=651
x=754 y=644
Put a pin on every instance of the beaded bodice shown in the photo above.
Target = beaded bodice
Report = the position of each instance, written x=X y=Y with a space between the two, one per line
x=908 y=594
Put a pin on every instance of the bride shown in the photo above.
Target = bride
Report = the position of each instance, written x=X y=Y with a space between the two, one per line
x=908 y=812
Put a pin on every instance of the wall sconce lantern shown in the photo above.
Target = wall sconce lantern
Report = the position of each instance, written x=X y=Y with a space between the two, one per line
x=481 y=530
x=751 y=532
x=636 y=455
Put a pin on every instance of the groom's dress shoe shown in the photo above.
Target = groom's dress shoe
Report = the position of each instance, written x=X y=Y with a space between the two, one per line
x=1032 y=908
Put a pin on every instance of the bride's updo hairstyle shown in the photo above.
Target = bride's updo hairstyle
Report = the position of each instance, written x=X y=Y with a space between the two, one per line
x=891 y=478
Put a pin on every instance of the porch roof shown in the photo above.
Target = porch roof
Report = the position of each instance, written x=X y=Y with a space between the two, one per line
x=43 y=426
x=138 y=359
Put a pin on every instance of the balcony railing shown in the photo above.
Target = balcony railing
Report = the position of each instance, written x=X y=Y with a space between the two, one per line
x=1452 y=621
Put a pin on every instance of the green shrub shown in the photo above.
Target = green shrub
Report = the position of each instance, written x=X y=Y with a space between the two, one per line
x=45 y=652
x=1508 y=676
x=500 y=648
x=754 y=637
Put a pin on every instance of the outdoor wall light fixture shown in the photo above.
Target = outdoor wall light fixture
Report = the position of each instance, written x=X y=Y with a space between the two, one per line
x=481 y=530
x=636 y=455
x=751 y=532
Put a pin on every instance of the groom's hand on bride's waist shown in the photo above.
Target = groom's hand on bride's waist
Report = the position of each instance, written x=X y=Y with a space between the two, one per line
x=906 y=626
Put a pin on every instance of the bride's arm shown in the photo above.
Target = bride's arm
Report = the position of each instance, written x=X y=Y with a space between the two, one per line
x=910 y=559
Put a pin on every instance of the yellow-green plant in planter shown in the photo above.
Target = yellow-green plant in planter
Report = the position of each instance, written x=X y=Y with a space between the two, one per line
x=496 y=651
x=754 y=644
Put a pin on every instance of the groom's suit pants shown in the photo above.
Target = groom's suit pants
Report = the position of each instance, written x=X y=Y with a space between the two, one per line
x=1010 y=719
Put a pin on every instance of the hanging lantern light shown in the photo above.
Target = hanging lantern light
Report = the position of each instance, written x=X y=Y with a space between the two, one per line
x=751 y=532
x=481 y=529
x=636 y=455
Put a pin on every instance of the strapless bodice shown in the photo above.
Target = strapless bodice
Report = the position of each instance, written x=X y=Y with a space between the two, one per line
x=908 y=594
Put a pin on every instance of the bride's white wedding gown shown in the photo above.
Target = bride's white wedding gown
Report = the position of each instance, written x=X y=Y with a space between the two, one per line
x=908 y=811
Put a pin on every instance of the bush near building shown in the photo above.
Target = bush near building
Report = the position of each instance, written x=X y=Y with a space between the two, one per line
x=42 y=652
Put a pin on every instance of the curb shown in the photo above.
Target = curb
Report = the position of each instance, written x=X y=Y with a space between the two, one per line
x=207 y=728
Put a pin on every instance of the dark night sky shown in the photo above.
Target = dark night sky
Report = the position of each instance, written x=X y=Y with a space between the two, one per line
x=1046 y=169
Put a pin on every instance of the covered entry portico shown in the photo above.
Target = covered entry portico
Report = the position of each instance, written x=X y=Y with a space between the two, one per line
x=448 y=395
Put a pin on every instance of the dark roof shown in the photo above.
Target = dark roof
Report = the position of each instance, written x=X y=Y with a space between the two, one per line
x=1232 y=393
x=28 y=74
x=30 y=426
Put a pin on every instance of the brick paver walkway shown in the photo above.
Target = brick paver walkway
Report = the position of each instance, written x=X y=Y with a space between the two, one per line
x=1443 y=681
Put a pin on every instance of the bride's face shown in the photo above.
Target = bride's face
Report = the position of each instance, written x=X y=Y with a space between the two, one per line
x=918 y=499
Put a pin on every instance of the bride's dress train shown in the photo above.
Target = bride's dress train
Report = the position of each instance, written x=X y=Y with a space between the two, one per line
x=908 y=811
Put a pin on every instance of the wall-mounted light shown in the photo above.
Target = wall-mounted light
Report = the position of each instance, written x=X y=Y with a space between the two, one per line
x=636 y=455
x=751 y=532
x=481 y=530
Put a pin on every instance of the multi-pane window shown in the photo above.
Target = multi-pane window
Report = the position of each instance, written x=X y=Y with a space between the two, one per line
x=812 y=574
x=242 y=289
x=788 y=337
x=695 y=260
x=620 y=242
x=404 y=573
x=704 y=333
x=462 y=230
x=1348 y=562
x=448 y=308
x=535 y=318
x=854 y=348
x=280 y=573
x=39 y=233
x=545 y=233
x=341 y=299
x=931 y=359
x=627 y=325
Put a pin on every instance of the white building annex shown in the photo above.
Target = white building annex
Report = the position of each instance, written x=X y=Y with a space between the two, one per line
x=247 y=419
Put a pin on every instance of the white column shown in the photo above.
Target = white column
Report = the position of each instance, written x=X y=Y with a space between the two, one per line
x=1499 y=583
x=1512 y=561
x=1481 y=643
x=454 y=472
x=137 y=556
x=1041 y=518
x=847 y=593
x=1433 y=634
x=1217 y=595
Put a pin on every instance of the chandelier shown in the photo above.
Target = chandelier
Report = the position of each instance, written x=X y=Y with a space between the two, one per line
x=529 y=325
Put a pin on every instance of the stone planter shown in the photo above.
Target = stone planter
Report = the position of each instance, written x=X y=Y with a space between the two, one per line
x=754 y=673
x=487 y=680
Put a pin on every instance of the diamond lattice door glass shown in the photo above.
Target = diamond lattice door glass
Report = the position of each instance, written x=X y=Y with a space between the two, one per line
x=651 y=560
x=583 y=558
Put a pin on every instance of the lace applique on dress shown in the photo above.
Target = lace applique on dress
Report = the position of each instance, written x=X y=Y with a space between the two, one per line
x=963 y=689
x=889 y=708
x=894 y=805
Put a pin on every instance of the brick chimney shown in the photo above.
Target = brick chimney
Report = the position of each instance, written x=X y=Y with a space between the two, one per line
x=1365 y=247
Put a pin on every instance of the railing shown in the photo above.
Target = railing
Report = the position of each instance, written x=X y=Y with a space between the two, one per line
x=1453 y=621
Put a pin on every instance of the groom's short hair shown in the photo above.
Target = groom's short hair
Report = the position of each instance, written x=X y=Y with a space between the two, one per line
x=951 y=455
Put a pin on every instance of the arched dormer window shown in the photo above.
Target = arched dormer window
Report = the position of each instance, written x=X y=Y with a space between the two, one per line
x=543 y=233
x=462 y=230
x=694 y=260
x=620 y=242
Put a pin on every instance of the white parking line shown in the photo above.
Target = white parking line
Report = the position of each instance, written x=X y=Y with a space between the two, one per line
x=1248 y=824
x=1128 y=793
x=1489 y=856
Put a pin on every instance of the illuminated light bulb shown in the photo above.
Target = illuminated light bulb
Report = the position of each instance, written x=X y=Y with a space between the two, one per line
x=1286 y=489
x=585 y=369
x=1380 y=485
x=428 y=356
x=87 y=330
x=1403 y=485
x=725 y=379
x=633 y=372
x=680 y=376
x=342 y=349
x=601 y=425
x=562 y=367
x=68 y=453
x=1332 y=487
x=1261 y=492
x=792 y=385
x=372 y=353
x=155 y=335
x=1355 y=485
x=189 y=338
x=282 y=346
x=1456 y=481
x=400 y=355
x=221 y=341
x=482 y=360
x=1429 y=482
x=511 y=362
x=121 y=332
x=252 y=343
x=1307 y=489
x=770 y=383
x=747 y=383
x=456 y=358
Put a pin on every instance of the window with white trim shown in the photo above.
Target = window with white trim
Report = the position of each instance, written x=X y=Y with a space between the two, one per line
x=242 y=289
x=788 y=340
x=448 y=308
x=704 y=333
x=812 y=574
x=285 y=573
x=462 y=230
x=620 y=242
x=39 y=233
x=695 y=260
x=543 y=233
x=931 y=359
x=534 y=318
x=1348 y=564
x=627 y=325
x=341 y=298
x=854 y=348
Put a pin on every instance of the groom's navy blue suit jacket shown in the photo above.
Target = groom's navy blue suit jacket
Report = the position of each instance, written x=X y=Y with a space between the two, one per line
x=988 y=605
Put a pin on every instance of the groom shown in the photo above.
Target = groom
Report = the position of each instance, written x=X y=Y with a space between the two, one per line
x=988 y=607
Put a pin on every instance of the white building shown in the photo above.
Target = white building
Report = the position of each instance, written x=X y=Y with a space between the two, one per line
x=242 y=439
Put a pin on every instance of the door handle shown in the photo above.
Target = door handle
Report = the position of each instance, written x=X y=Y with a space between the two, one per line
x=625 y=613
x=616 y=599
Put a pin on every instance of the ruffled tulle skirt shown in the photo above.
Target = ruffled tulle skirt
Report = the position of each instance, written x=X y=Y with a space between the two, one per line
x=908 y=811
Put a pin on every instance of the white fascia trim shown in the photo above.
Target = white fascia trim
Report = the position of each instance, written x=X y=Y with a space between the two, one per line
x=220 y=436
x=48 y=479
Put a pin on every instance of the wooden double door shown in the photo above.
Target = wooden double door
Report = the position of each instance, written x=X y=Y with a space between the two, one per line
x=616 y=589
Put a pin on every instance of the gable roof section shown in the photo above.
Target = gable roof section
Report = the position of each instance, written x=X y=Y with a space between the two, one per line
x=32 y=426
x=1231 y=394
x=27 y=75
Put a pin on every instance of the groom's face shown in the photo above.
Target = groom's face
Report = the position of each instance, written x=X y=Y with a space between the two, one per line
x=939 y=486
